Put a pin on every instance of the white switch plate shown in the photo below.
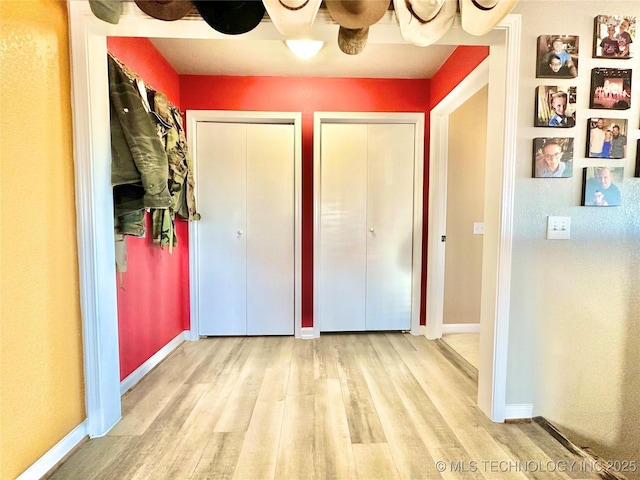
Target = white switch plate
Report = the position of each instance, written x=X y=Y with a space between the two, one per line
x=478 y=228
x=558 y=228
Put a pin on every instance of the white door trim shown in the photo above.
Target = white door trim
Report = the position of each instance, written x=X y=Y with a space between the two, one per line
x=417 y=119
x=501 y=72
x=289 y=118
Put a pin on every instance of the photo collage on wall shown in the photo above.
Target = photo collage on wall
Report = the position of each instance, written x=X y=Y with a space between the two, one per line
x=556 y=106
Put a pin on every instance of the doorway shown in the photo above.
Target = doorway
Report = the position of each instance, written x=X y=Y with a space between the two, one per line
x=94 y=199
x=464 y=229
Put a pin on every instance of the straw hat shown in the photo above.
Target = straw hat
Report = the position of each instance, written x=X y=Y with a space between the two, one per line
x=165 y=9
x=292 y=17
x=422 y=22
x=480 y=16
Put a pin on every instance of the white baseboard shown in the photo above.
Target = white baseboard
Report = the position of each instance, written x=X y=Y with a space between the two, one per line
x=518 y=411
x=139 y=373
x=50 y=459
x=460 y=328
x=306 y=333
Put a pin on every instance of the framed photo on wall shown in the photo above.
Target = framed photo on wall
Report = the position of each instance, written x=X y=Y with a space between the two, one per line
x=557 y=56
x=555 y=106
x=607 y=138
x=601 y=186
x=610 y=88
x=637 y=174
x=552 y=157
x=614 y=36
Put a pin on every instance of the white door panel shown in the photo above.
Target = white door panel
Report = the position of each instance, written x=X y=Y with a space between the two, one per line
x=246 y=237
x=222 y=255
x=366 y=226
x=390 y=226
x=343 y=227
x=270 y=229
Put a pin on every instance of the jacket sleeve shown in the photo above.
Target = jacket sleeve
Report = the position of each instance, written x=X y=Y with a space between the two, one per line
x=138 y=129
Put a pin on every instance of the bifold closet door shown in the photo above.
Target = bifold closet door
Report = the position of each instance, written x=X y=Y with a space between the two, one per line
x=246 y=234
x=390 y=226
x=366 y=226
x=343 y=224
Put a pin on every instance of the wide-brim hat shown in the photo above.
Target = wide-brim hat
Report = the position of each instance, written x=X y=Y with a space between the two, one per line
x=107 y=10
x=168 y=10
x=292 y=17
x=481 y=16
x=356 y=14
x=422 y=22
x=231 y=17
x=352 y=40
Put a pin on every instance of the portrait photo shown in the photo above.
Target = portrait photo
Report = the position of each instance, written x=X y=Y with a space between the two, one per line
x=557 y=56
x=610 y=88
x=555 y=106
x=552 y=157
x=607 y=138
x=601 y=186
x=614 y=36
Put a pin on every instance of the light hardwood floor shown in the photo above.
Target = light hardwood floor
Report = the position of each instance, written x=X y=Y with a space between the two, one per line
x=349 y=406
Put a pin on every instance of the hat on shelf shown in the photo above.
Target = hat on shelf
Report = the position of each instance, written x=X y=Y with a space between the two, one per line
x=481 y=16
x=292 y=17
x=231 y=17
x=168 y=10
x=422 y=22
x=355 y=17
x=352 y=40
x=107 y=10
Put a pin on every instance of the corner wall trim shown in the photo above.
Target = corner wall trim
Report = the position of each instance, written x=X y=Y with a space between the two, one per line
x=518 y=410
x=153 y=361
x=50 y=459
x=307 y=333
x=460 y=328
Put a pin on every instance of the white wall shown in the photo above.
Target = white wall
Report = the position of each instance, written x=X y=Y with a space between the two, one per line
x=575 y=305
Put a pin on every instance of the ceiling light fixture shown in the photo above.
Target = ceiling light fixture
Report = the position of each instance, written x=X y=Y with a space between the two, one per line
x=304 y=48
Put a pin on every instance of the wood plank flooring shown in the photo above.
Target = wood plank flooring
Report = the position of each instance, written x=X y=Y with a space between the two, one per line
x=344 y=406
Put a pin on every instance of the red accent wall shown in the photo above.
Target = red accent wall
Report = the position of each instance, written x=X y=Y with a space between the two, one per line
x=306 y=95
x=461 y=63
x=153 y=302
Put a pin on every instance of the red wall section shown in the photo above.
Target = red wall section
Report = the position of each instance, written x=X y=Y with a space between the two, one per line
x=306 y=95
x=143 y=58
x=153 y=303
x=461 y=63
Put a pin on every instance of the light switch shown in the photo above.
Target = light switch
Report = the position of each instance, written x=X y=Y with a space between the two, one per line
x=478 y=228
x=558 y=228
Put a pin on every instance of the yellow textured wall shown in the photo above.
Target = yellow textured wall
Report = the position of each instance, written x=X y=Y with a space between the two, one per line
x=41 y=389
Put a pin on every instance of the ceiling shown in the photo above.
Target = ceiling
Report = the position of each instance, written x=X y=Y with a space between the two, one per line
x=385 y=55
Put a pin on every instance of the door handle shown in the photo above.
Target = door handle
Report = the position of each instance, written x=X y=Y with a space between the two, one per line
x=239 y=233
x=372 y=230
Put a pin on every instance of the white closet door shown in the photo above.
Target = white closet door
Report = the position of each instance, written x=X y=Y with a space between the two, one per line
x=366 y=226
x=222 y=229
x=389 y=226
x=270 y=229
x=343 y=237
